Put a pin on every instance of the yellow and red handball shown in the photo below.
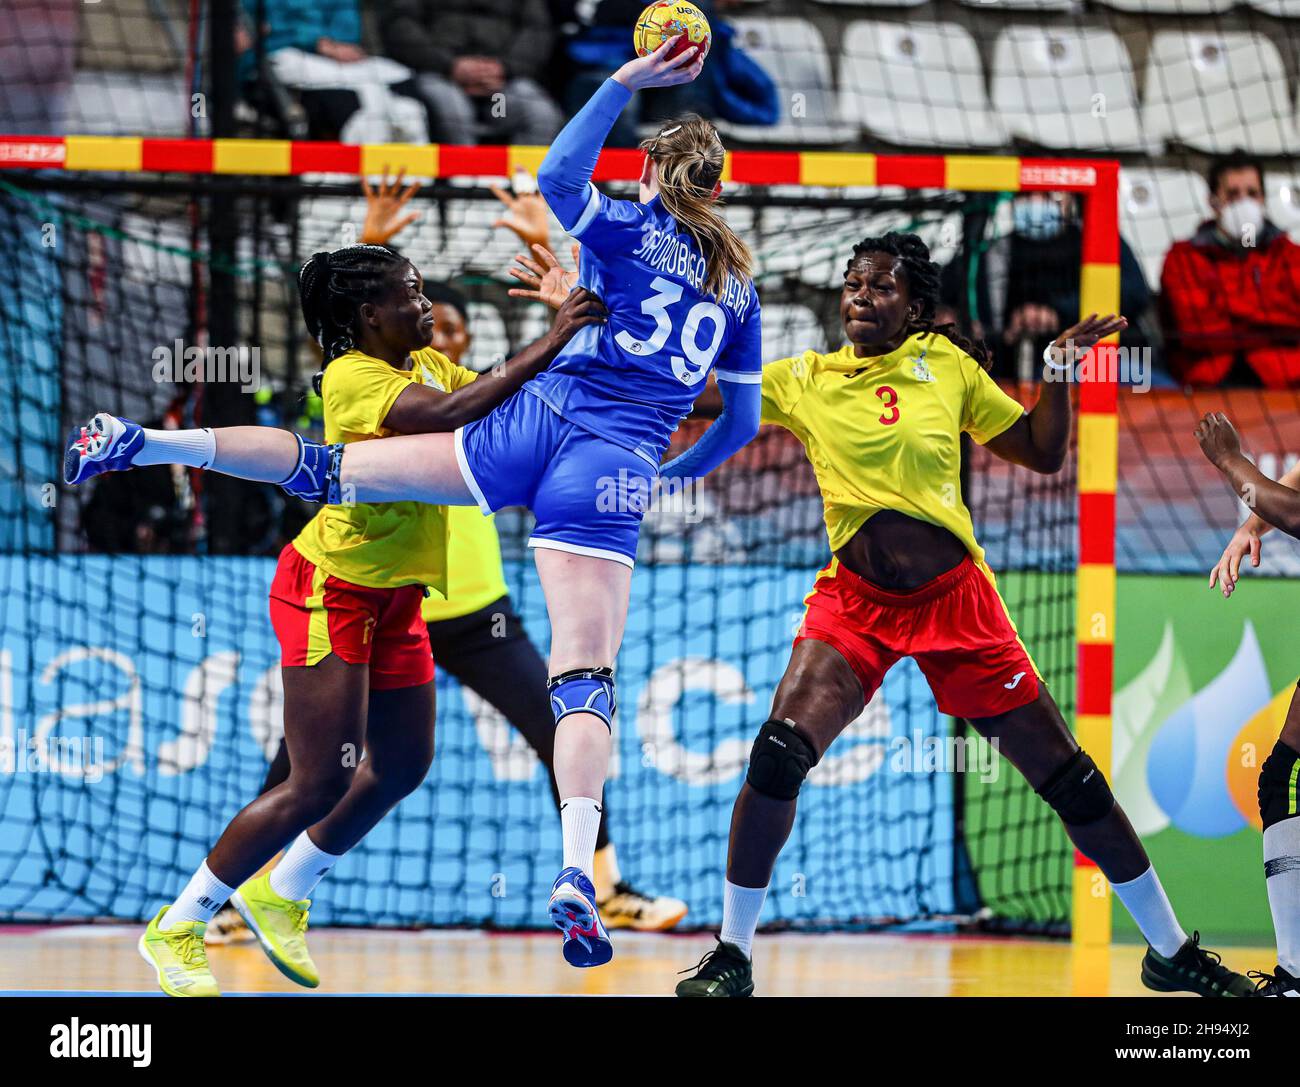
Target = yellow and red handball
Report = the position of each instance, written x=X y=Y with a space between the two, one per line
x=671 y=19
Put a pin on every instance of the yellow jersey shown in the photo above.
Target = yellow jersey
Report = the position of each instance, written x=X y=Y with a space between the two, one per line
x=884 y=433
x=379 y=544
x=474 y=575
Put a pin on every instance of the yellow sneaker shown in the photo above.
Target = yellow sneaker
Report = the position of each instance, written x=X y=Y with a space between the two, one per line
x=178 y=956
x=280 y=926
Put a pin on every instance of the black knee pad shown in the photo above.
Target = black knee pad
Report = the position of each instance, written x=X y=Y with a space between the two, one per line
x=779 y=761
x=1277 y=785
x=1078 y=792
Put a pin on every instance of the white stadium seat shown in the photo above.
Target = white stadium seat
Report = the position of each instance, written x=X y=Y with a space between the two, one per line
x=1217 y=92
x=1283 y=192
x=490 y=343
x=875 y=3
x=1171 y=7
x=916 y=83
x=1025 y=5
x=1282 y=9
x=790 y=329
x=109 y=103
x=1158 y=208
x=792 y=52
x=1065 y=87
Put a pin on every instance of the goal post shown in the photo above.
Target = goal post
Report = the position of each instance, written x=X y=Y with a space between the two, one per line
x=1095 y=182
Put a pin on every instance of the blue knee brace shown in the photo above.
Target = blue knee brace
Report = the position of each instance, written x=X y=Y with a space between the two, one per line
x=315 y=478
x=583 y=690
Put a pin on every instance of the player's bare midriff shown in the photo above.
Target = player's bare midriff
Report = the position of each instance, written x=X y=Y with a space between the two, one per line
x=900 y=553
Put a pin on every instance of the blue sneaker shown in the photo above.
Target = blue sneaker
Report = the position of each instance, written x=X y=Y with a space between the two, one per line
x=105 y=444
x=573 y=911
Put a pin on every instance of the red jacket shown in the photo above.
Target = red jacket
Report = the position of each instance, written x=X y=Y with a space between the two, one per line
x=1221 y=303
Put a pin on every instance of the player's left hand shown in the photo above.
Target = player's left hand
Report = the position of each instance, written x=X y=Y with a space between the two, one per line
x=384 y=206
x=1075 y=342
x=548 y=281
x=1218 y=439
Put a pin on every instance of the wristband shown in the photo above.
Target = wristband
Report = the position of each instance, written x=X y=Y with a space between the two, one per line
x=1051 y=364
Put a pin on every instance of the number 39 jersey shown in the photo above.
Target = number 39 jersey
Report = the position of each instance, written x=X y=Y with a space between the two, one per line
x=633 y=379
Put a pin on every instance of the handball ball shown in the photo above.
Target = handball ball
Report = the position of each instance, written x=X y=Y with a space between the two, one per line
x=671 y=19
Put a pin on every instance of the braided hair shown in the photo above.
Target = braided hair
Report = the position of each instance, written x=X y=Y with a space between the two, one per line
x=923 y=277
x=333 y=285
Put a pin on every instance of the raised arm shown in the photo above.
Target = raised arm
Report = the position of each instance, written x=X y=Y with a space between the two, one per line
x=1246 y=541
x=422 y=410
x=565 y=174
x=734 y=428
x=1040 y=439
x=1274 y=503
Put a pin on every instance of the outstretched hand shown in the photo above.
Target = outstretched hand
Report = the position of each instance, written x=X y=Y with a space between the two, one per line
x=658 y=69
x=546 y=279
x=1075 y=342
x=525 y=215
x=384 y=206
x=1218 y=439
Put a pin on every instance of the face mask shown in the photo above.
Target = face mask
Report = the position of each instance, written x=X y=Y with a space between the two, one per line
x=1038 y=219
x=1242 y=219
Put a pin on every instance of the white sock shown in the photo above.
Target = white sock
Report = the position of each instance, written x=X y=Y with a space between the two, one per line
x=580 y=821
x=1146 y=901
x=192 y=448
x=740 y=909
x=300 y=869
x=1282 y=877
x=203 y=896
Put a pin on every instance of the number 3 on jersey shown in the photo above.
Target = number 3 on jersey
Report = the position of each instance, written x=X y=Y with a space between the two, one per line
x=889 y=399
x=695 y=366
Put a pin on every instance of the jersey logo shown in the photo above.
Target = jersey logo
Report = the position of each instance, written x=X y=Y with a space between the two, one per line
x=431 y=379
x=921 y=369
x=1015 y=681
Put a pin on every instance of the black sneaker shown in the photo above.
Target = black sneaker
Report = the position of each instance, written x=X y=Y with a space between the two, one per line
x=1278 y=984
x=724 y=971
x=1193 y=970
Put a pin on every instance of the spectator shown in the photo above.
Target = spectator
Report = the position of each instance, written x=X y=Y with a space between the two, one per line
x=1231 y=293
x=1026 y=285
x=315 y=48
x=477 y=62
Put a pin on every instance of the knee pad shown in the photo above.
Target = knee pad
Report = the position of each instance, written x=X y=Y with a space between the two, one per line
x=1078 y=792
x=779 y=761
x=1278 y=785
x=315 y=478
x=583 y=690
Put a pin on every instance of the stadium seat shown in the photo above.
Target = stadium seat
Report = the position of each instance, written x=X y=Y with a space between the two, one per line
x=1158 y=208
x=875 y=3
x=491 y=343
x=792 y=52
x=1066 y=87
x=1025 y=5
x=1283 y=193
x=112 y=103
x=790 y=329
x=916 y=83
x=1171 y=7
x=1282 y=9
x=1217 y=92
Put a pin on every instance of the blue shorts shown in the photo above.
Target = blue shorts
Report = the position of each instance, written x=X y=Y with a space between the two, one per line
x=588 y=494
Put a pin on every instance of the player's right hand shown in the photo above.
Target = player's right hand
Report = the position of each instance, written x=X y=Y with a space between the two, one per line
x=580 y=309
x=1225 y=572
x=657 y=69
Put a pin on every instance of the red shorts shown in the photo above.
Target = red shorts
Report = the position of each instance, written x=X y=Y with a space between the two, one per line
x=315 y=614
x=955 y=627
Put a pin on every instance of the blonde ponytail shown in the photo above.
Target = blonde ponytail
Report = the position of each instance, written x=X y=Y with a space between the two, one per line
x=690 y=156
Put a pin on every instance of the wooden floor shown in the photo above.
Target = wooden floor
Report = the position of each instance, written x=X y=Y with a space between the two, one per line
x=81 y=959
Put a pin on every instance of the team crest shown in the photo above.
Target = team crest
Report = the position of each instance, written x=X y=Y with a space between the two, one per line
x=921 y=369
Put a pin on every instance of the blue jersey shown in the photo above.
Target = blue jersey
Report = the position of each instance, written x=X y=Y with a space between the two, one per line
x=633 y=379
